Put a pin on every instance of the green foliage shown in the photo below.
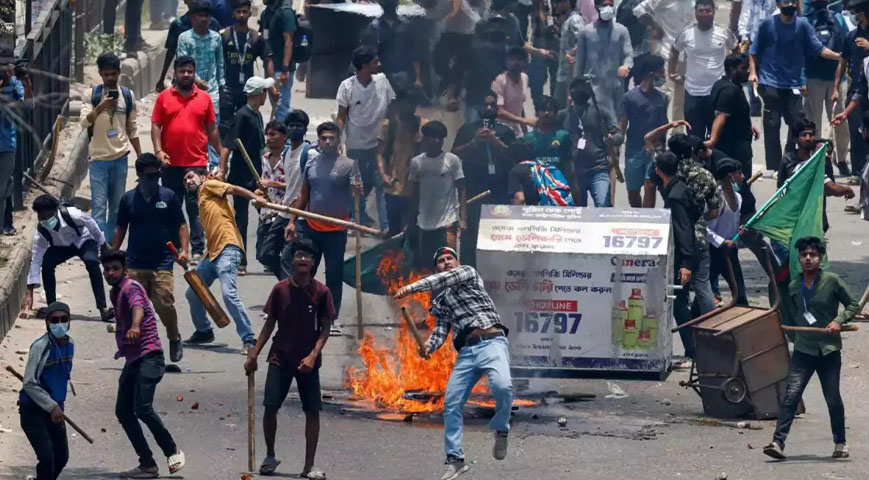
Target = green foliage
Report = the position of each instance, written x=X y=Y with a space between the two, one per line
x=96 y=43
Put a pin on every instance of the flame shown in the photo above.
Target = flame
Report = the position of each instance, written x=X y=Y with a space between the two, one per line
x=391 y=372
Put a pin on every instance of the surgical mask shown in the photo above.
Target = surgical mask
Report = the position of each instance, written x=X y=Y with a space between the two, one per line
x=50 y=223
x=58 y=330
x=660 y=81
x=606 y=13
x=789 y=10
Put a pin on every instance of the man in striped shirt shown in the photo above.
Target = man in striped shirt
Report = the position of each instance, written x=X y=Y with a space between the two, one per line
x=460 y=303
x=139 y=344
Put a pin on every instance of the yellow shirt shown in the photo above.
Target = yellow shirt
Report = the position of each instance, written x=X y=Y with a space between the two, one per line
x=113 y=129
x=218 y=218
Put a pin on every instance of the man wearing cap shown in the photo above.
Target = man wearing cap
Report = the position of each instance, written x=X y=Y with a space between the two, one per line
x=42 y=396
x=247 y=126
x=462 y=304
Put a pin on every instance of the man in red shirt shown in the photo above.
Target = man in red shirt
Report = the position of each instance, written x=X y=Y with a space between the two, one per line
x=182 y=125
x=303 y=310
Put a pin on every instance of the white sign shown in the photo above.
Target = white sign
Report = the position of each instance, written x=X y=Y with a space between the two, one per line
x=572 y=295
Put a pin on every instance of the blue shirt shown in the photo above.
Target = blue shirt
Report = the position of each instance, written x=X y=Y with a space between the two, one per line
x=55 y=374
x=783 y=49
x=151 y=224
x=207 y=51
x=10 y=93
x=646 y=111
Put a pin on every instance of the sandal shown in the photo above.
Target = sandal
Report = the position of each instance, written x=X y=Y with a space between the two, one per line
x=242 y=271
x=852 y=209
x=139 y=473
x=269 y=465
x=314 y=475
x=176 y=462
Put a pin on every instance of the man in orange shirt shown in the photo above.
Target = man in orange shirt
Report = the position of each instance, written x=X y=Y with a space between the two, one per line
x=225 y=250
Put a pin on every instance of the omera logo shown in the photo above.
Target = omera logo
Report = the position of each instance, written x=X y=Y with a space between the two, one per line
x=635 y=262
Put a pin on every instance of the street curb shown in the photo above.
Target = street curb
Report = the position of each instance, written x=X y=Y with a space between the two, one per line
x=66 y=175
x=140 y=74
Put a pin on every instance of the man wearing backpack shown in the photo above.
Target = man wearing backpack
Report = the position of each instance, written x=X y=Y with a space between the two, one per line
x=109 y=114
x=278 y=25
x=64 y=232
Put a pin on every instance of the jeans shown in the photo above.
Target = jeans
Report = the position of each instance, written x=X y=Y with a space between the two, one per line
x=110 y=13
x=270 y=243
x=682 y=314
x=135 y=402
x=133 y=24
x=718 y=266
x=7 y=166
x=450 y=60
x=230 y=102
x=225 y=267
x=48 y=440
x=819 y=96
x=698 y=113
x=160 y=287
x=173 y=179
x=282 y=109
x=803 y=366
x=859 y=149
x=88 y=254
x=778 y=103
x=491 y=357
x=331 y=247
x=157 y=10
x=704 y=301
x=538 y=70
x=108 y=183
x=595 y=183
x=397 y=213
x=371 y=179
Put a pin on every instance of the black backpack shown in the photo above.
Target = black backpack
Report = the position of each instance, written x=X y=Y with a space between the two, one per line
x=67 y=218
x=97 y=97
x=302 y=35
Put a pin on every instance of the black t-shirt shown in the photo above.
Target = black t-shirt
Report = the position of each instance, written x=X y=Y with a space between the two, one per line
x=485 y=167
x=520 y=181
x=854 y=56
x=248 y=126
x=150 y=223
x=299 y=312
x=236 y=45
x=728 y=97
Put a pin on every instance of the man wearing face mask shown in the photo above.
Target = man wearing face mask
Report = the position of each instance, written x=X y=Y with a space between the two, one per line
x=603 y=53
x=64 y=232
x=152 y=215
x=778 y=54
x=855 y=47
x=42 y=397
x=482 y=146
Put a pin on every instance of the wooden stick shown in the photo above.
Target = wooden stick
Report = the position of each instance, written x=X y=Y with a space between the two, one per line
x=356 y=201
x=249 y=163
x=251 y=422
x=55 y=141
x=849 y=327
x=39 y=186
x=414 y=331
x=72 y=424
x=754 y=177
x=324 y=218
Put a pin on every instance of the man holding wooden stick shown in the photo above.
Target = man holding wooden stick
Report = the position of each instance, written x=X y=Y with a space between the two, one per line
x=42 y=397
x=462 y=304
x=303 y=310
x=817 y=294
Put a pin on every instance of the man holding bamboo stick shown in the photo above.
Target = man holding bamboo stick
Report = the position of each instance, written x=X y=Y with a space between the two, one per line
x=462 y=304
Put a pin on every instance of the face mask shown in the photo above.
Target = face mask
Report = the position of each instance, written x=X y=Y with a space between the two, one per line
x=50 y=223
x=58 y=330
x=789 y=10
x=606 y=13
x=660 y=81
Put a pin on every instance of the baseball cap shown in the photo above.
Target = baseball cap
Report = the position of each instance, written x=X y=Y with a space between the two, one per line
x=255 y=85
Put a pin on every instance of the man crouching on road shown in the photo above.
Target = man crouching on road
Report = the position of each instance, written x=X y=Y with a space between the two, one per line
x=461 y=303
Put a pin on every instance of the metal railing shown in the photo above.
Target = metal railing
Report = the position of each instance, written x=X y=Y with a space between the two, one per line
x=46 y=55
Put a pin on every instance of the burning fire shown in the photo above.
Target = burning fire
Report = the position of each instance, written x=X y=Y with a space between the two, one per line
x=391 y=372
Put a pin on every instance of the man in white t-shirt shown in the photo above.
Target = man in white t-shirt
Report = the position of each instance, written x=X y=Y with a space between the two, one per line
x=704 y=46
x=438 y=185
x=362 y=103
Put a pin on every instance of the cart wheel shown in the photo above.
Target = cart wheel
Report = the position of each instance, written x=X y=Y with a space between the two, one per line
x=734 y=390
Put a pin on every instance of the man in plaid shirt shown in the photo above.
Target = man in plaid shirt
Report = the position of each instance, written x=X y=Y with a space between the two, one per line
x=460 y=303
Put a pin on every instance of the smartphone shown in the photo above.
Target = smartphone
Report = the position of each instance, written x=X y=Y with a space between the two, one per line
x=113 y=94
x=488 y=123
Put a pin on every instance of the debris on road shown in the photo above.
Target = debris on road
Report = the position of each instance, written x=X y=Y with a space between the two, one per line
x=195 y=406
x=180 y=398
x=562 y=421
x=615 y=390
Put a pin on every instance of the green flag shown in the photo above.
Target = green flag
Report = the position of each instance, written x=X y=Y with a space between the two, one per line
x=797 y=208
x=398 y=248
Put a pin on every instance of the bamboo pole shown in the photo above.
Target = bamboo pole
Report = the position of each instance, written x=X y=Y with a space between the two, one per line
x=72 y=424
x=356 y=206
x=323 y=218
x=250 y=166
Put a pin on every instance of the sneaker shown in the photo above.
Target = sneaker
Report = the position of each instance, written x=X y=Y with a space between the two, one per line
x=198 y=338
x=841 y=451
x=107 y=315
x=775 y=451
x=159 y=25
x=499 y=450
x=139 y=472
x=246 y=346
x=454 y=469
x=176 y=350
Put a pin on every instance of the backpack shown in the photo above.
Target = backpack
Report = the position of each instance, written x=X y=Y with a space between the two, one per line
x=551 y=184
x=67 y=218
x=304 y=34
x=828 y=29
x=97 y=97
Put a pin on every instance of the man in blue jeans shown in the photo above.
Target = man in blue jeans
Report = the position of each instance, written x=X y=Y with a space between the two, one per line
x=460 y=303
x=108 y=113
x=225 y=250
x=278 y=25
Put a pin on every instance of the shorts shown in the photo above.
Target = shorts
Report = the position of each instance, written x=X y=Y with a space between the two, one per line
x=278 y=381
x=652 y=175
x=636 y=170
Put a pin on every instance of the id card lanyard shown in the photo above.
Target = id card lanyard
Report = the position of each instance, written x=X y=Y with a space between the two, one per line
x=241 y=48
x=807 y=296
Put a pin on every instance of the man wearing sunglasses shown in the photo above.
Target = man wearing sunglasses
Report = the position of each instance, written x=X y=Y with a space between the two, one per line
x=153 y=216
x=42 y=397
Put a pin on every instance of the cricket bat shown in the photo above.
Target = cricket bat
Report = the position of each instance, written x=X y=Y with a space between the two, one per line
x=201 y=290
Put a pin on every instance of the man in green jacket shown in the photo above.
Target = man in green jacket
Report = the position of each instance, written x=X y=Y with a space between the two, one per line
x=817 y=294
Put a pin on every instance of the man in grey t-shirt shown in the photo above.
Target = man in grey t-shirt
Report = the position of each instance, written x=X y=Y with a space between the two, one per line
x=327 y=189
